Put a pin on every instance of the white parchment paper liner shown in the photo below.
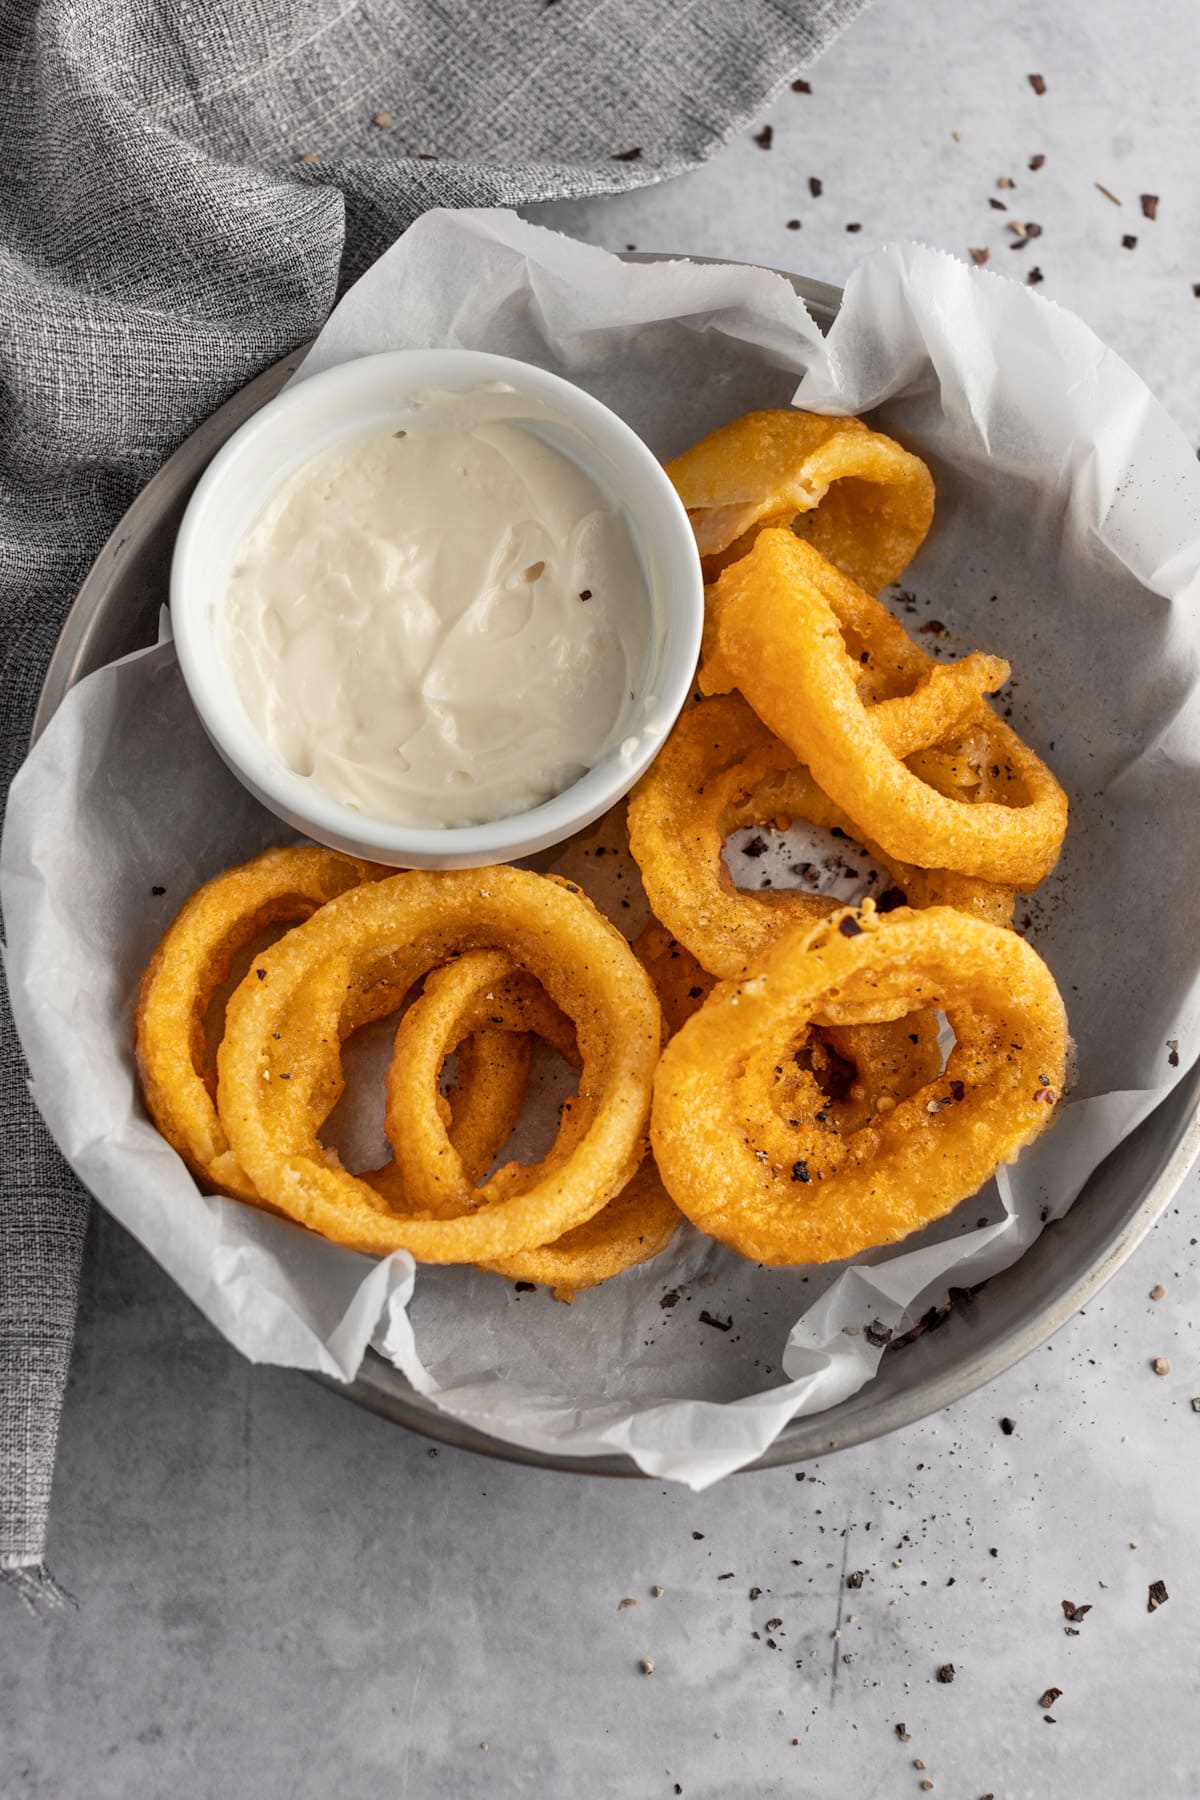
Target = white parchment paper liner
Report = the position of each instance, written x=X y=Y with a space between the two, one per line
x=1066 y=539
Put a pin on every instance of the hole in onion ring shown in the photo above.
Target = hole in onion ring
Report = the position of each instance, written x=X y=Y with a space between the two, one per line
x=803 y=858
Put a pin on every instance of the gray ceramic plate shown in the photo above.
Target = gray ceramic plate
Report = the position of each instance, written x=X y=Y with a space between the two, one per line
x=117 y=611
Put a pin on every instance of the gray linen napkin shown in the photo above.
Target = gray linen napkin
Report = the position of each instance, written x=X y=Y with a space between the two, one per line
x=183 y=192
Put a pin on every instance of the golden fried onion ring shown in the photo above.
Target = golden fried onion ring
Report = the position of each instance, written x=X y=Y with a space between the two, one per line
x=722 y=769
x=855 y=495
x=633 y=1228
x=483 y=988
x=908 y=1165
x=287 y=1025
x=193 y=959
x=780 y=639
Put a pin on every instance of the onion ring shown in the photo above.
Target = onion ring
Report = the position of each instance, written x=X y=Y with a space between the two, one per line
x=192 y=960
x=633 y=1228
x=783 y=595
x=906 y=1167
x=481 y=990
x=484 y=987
x=855 y=495
x=387 y=935
x=722 y=769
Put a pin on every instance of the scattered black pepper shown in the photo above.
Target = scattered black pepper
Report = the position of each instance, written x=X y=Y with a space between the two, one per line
x=1038 y=83
x=669 y=1300
x=756 y=847
x=764 y=137
x=634 y=155
x=1008 y=1426
x=850 y=927
x=800 y=1171
x=1157 y=1596
x=1129 y=242
x=878 y=1333
x=1172 y=1051
x=856 y=1578
x=933 y=628
x=694 y=993
x=157 y=891
x=706 y=1318
x=801 y=87
x=1034 y=277
x=1073 y=1612
x=1149 y=206
x=946 y=1673
x=585 y=593
x=1049 y=1697
x=856 y=226
x=814 y=187
x=979 y=256
x=996 y=205
x=261 y=973
x=525 y=1287
x=755 y=1593
x=793 y=224
x=1037 y=162
x=698 y=1535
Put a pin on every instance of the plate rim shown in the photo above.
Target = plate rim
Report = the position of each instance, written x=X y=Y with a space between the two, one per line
x=804 y=1438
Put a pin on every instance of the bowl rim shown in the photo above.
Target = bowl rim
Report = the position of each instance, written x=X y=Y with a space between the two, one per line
x=377 y=386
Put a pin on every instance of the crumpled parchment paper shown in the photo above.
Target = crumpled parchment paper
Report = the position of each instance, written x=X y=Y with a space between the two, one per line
x=1066 y=539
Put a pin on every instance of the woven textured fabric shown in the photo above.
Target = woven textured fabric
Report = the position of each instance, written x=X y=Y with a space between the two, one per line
x=184 y=190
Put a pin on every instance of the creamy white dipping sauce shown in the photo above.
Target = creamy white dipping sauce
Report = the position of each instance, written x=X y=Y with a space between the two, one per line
x=440 y=624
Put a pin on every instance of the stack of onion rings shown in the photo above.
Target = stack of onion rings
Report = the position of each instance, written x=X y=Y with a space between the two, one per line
x=722 y=769
x=785 y=596
x=280 y=1067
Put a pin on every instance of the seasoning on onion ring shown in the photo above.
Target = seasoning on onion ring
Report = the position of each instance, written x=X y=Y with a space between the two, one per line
x=193 y=959
x=680 y=982
x=388 y=934
x=779 y=637
x=854 y=494
x=906 y=1166
x=722 y=769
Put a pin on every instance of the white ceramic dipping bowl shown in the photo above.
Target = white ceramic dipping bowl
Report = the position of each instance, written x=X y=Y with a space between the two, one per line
x=371 y=393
